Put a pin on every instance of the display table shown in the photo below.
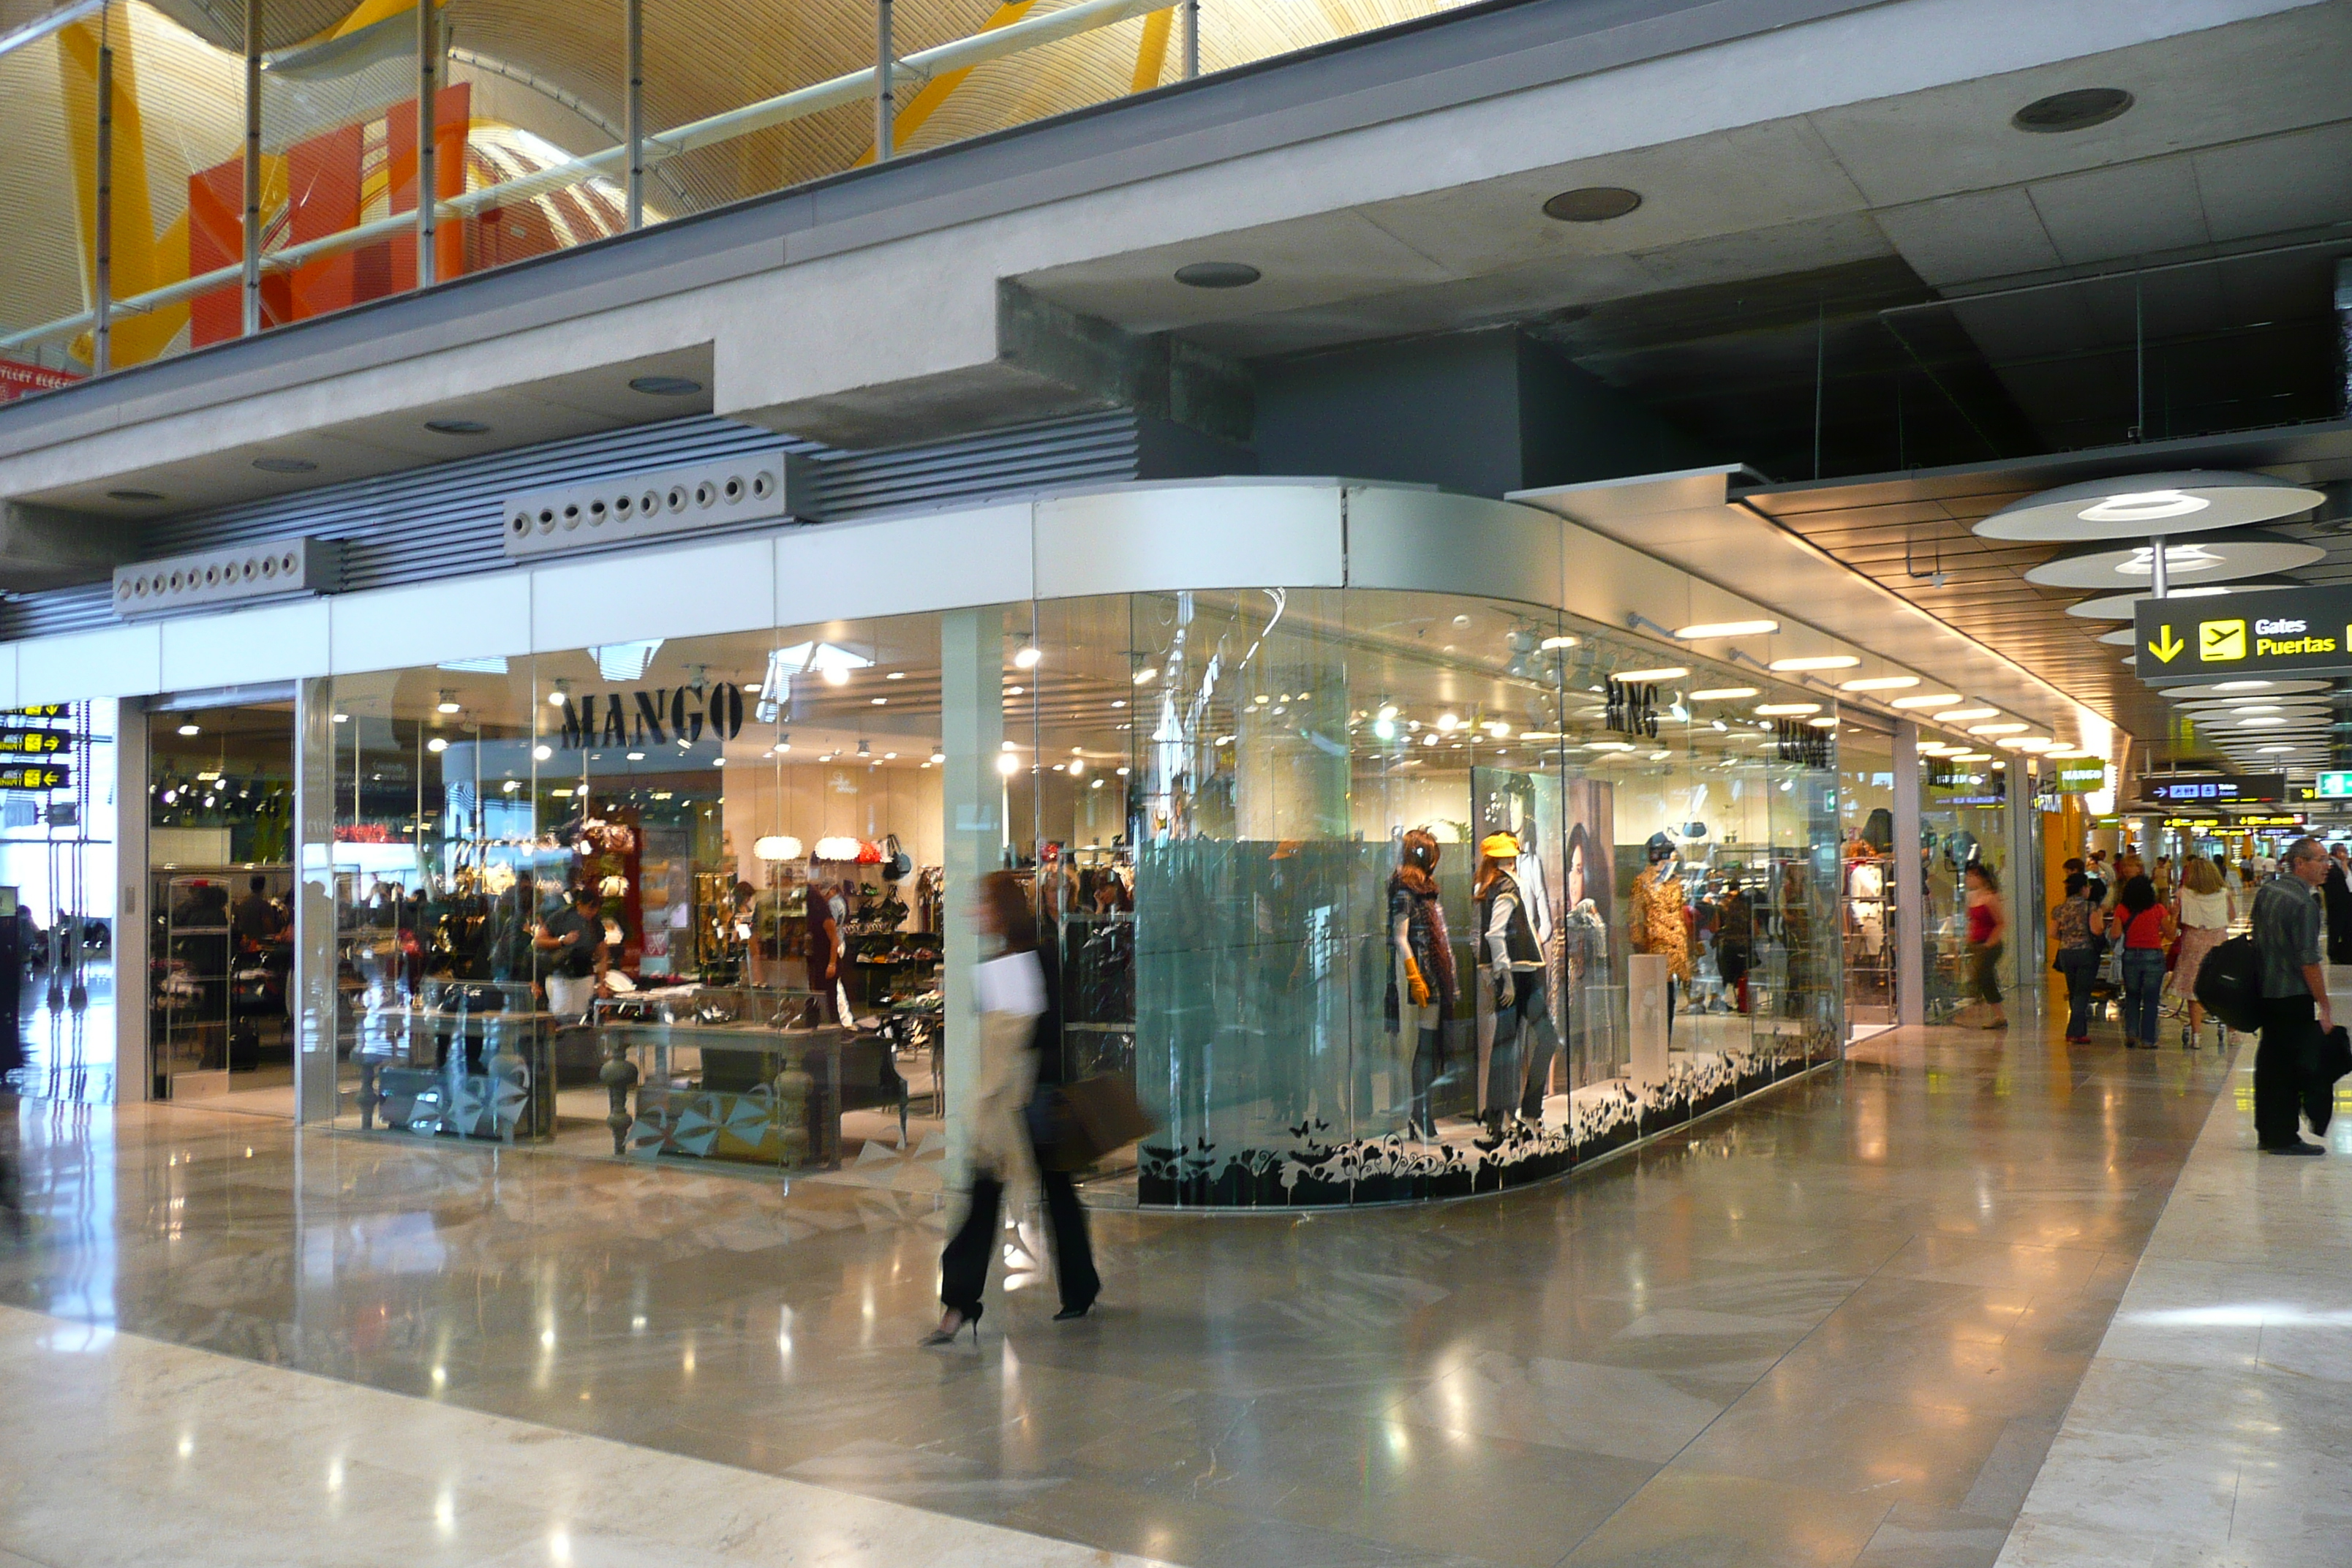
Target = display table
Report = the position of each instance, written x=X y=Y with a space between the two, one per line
x=456 y=1068
x=729 y=1073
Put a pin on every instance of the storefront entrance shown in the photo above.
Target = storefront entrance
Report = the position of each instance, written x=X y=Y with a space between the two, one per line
x=219 y=892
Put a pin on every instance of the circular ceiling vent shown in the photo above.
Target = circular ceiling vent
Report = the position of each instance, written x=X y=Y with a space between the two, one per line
x=285 y=465
x=665 y=386
x=1592 y=203
x=2078 y=109
x=1218 y=275
x=132 y=495
x=456 y=427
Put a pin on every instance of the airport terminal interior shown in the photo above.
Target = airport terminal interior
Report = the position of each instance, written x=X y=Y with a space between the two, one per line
x=1397 y=783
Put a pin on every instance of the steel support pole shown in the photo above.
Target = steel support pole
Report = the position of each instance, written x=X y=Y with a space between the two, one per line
x=1192 y=38
x=252 y=286
x=428 y=183
x=885 y=102
x=634 y=110
x=2159 y=570
x=103 y=264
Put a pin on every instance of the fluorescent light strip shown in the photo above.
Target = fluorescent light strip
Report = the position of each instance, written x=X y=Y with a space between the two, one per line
x=1820 y=662
x=1880 y=683
x=1938 y=700
x=1710 y=629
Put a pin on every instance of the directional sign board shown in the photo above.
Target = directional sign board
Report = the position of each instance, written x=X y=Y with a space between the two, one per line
x=35 y=775
x=2297 y=632
x=2222 y=791
x=33 y=742
x=2335 y=786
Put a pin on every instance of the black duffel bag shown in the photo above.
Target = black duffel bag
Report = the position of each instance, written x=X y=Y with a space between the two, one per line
x=2230 y=984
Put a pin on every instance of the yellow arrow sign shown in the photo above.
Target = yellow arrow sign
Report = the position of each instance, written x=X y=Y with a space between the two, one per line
x=2167 y=647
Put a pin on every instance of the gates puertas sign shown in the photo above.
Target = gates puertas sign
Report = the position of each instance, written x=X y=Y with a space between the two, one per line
x=2295 y=632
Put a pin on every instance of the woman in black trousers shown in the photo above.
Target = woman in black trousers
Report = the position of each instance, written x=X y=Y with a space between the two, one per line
x=1018 y=994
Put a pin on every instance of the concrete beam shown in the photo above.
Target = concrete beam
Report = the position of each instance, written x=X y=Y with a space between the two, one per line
x=44 y=547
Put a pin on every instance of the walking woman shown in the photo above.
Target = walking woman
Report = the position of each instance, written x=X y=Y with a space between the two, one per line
x=2077 y=954
x=1018 y=997
x=1987 y=928
x=2147 y=929
x=2203 y=909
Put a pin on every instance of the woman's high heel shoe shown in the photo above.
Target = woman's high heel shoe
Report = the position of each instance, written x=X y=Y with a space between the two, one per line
x=946 y=1332
x=1067 y=1314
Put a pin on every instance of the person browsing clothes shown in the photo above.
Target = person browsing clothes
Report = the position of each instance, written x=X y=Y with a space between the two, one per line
x=573 y=938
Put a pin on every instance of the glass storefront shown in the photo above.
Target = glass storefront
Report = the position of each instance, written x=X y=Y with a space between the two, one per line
x=1963 y=821
x=694 y=899
x=58 y=856
x=1867 y=914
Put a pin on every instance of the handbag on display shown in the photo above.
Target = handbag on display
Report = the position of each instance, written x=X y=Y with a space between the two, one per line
x=896 y=864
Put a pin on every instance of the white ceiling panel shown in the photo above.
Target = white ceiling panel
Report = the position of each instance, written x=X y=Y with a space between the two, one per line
x=2277 y=183
x=2132 y=209
x=1979 y=234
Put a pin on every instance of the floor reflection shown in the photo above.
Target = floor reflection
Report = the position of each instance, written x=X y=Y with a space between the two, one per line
x=1849 y=1313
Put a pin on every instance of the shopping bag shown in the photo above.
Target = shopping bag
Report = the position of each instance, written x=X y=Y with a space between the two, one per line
x=1074 y=1124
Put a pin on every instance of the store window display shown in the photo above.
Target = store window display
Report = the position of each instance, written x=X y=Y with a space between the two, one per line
x=1663 y=923
x=1421 y=993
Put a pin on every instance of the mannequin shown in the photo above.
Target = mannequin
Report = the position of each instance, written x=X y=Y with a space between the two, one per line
x=1658 y=926
x=1512 y=961
x=1585 y=947
x=1421 y=993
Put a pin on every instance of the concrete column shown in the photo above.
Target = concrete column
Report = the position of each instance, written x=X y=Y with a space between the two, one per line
x=1910 y=891
x=134 y=1074
x=971 y=723
x=2027 y=911
x=315 y=1087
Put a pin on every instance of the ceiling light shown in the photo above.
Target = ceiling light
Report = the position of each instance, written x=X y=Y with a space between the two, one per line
x=1820 y=661
x=1825 y=721
x=342 y=718
x=189 y=729
x=1553 y=645
x=1608 y=745
x=436 y=744
x=836 y=674
x=1671 y=672
x=1971 y=756
x=1961 y=715
x=1217 y=275
x=2243 y=685
x=1879 y=683
x=541 y=753
x=1591 y=204
x=894 y=675
x=448 y=703
x=1448 y=723
x=664 y=385
x=2272 y=751
x=1937 y=701
x=2259 y=723
x=2247 y=552
x=1778 y=710
x=1710 y=629
x=1027 y=657
x=1997 y=728
x=776 y=847
x=1724 y=693
x=1144 y=676
x=456 y=427
x=2077 y=109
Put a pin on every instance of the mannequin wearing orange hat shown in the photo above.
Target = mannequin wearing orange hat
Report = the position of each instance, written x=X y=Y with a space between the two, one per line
x=1513 y=965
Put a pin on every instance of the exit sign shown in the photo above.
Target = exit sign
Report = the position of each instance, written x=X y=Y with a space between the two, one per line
x=2336 y=785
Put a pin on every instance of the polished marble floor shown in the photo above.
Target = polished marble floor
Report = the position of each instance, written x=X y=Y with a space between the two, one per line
x=1837 y=1325
x=2215 y=1425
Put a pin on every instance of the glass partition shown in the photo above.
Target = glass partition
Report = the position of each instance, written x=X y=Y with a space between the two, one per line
x=58 y=807
x=1866 y=872
x=527 y=137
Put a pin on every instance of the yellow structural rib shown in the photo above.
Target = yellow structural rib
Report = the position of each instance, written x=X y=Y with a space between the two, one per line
x=937 y=91
x=1151 y=56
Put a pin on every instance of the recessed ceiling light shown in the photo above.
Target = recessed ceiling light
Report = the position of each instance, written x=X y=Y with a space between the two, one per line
x=2078 y=109
x=1218 y=275
x=1591 y=204
x=457 y=426
x=664 y=385
x=285 y=465
x=132 y=495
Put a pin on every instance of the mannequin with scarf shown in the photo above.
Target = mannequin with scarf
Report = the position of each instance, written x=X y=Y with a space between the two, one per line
x=1422 y=993
x=1660 y=917
x=1519 y=1069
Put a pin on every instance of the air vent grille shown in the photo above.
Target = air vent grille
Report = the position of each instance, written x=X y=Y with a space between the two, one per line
x=732 y=493
x=277 y=569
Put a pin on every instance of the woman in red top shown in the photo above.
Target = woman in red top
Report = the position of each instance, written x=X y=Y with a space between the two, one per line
x=1987 y=924
x=2147 y=928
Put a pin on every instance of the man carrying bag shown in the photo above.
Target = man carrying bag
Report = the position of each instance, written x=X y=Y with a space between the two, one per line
x=2295 y=1010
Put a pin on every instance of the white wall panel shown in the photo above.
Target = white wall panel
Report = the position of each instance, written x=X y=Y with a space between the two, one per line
x=276 y=642
x=1436 y=542
x=465 y=618
x=725 y=587
x=122 y=661
x=932 y=561
x=7 y=675
x=1214 y=533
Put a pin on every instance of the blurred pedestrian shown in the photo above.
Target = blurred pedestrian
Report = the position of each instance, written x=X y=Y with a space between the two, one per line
x=2296 y=1015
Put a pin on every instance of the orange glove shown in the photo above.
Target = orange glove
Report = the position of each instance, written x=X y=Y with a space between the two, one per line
x=1415 y=987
